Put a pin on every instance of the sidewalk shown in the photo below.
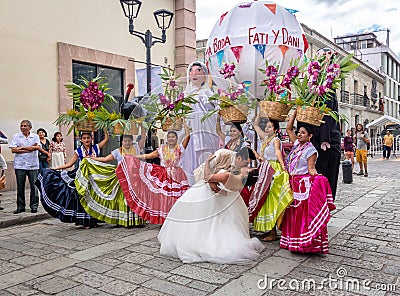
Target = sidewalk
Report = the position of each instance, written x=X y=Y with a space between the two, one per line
x=9 y=203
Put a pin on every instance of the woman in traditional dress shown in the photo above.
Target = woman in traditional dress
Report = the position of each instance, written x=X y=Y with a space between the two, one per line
x=203 y=139
x=100 y=192
x=304 y=226
x=208 y=226
x=57 y=151
x=236 y=140
x=58 y=193
x=279 y=195
x=150 y=189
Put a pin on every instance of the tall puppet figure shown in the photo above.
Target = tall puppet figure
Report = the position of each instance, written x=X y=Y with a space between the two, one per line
x=203 y=138
x=327 y=138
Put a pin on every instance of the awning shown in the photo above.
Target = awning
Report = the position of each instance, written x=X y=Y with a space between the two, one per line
x=383 y=120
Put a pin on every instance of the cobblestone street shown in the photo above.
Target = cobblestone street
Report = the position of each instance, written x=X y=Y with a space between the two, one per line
x=48 y=257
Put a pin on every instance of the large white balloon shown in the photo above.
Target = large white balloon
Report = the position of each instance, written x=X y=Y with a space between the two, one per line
x=248 y=35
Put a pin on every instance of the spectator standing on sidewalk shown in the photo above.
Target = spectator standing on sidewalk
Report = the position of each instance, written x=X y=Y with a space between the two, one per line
x=44 y=157
x=26 y=145
x=349 y=148
x=387 y=144
x=57 y=150
x=361 y=138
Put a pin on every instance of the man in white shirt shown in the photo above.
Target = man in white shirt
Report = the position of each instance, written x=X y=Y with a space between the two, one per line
x=25 y=146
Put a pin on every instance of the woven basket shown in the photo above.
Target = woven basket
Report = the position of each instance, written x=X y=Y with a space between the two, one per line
x=118 y=129
x=274 y=110
x=134 y=130
x=309 y=115
x=86 y=126
x=169 y=124
x=234 y=114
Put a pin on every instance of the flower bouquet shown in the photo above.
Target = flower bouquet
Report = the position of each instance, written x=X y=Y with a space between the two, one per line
x=233 y=102
x=277 y=103
x=88 y=112
x=317 y=84
x=172 y=106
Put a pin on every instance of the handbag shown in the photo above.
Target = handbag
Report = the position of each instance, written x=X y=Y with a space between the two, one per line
x=3 y=138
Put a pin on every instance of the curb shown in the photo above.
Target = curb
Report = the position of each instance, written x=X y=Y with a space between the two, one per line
x=24 y=220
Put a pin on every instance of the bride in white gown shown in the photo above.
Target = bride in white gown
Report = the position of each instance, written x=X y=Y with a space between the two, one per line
x=207 y=226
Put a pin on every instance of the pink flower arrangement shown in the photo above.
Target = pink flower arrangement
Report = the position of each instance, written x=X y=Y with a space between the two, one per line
x=172 y=103
x=234 y=94
x=228 y=70
x=92 y=97
x=321 y=81
x=277 y=86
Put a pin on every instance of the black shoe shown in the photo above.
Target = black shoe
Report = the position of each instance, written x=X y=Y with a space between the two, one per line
x=34 y=211
x=1 y=208
x=17 y=211
x=360 y=173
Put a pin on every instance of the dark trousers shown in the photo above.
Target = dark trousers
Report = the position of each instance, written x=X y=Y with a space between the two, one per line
x=328 y=164
x=21 y=179
x=386 y=151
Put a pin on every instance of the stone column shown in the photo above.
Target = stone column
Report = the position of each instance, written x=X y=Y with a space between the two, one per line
x=185 y=34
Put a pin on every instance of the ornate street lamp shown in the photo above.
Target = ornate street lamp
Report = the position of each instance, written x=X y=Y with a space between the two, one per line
x=163 y=18
x=131 y=8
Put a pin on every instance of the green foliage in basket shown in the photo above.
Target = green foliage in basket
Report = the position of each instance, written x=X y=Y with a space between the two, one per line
x=172 y=103
x=234 y=95
x=88 y=99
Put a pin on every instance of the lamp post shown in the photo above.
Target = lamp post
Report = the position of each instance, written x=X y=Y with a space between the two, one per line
x=163 y=19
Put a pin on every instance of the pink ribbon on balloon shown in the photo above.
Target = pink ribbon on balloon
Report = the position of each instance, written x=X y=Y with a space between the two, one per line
x=236 y=52
x=221 y=18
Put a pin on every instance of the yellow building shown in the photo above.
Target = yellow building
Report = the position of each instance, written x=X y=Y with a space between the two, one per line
x=46 y=44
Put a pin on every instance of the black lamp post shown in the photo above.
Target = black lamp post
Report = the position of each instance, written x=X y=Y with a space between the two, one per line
x=163 y=18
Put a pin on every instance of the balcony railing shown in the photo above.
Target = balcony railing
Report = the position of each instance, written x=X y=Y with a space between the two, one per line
x=344 y=97
x=360 y=100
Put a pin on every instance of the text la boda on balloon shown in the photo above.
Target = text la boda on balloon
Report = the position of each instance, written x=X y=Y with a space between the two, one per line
x=255 y=37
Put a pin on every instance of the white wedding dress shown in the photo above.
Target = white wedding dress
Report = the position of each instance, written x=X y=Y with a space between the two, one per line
x=207 y=226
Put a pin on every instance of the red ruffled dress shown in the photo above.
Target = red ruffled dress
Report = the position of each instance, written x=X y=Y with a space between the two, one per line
x=150 y=189
x=305 y=224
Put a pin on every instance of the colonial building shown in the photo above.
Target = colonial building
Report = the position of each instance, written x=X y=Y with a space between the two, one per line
x=46 y=44
x=381 y=58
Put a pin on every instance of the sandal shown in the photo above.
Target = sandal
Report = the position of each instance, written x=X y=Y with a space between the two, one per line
x=272 y=236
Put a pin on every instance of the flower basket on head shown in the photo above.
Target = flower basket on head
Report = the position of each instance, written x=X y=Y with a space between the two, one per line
x=172 y=106
x=88 y=113
x=277 y=103
x=86 y=126
x=309 y=115
x=317 y=84
x=170 y=124
x=274 y=110
x=234 y=102
x=234 y=114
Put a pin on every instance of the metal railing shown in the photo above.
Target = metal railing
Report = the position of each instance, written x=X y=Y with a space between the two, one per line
x=344 y=97
x=376 y=148
x=360 y=100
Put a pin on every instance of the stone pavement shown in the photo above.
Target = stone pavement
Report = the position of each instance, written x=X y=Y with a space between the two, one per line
x=52 y=258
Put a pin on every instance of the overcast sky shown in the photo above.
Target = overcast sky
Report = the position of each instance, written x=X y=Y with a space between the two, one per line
x=331 y=18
